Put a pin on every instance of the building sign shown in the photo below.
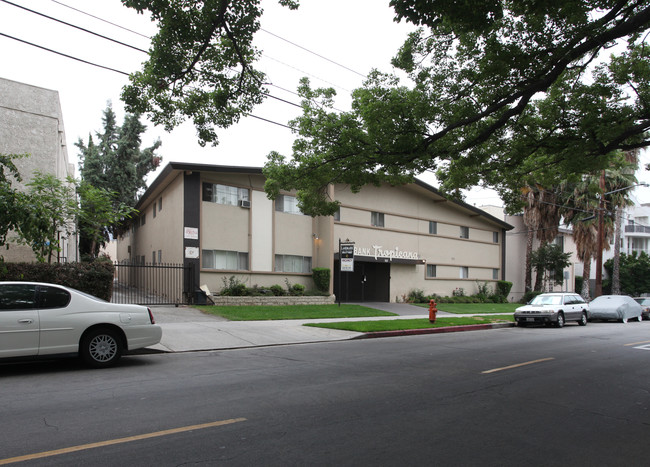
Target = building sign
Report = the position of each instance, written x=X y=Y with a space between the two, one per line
x=347 y=256
x=191 y=252
x=191 y=233
x=378 y=252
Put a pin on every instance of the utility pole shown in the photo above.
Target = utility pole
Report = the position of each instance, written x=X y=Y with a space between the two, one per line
x=601 y=235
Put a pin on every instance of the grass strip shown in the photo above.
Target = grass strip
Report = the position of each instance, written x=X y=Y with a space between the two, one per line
x=405 y=324
x=470 y=308
x=266 y=313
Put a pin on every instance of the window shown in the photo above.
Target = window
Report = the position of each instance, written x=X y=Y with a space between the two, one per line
x=17 y=297
x=464 y=272
x=464 y=232
x=154 y=210
x=495 y=274
x=222 y=259
x=143 y=218
x=377 y=219
x=559 y=240
x=153 y=257
x=431 y=270
x=433 y=227
x=160 y=204
x=292 y=263
x=495 y=237
x=337 y=215
x=222 y=194
x=288 y=204
x=52 y=297
x=159 y=256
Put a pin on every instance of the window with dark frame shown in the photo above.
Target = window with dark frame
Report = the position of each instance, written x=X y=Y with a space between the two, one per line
x=433 y=227
x=377 y=219
x=464 y=232
x=431 y=270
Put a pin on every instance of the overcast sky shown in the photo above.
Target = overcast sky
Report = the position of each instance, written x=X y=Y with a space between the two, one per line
x=358 y=35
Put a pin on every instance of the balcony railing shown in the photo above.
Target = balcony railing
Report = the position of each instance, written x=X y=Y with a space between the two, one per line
x=637 y=229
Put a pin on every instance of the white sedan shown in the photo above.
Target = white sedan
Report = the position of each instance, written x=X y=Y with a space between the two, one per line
x=38 y=319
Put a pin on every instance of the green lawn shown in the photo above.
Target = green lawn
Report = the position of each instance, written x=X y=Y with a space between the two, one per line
x=471 y=308
x=404 y=324
x=262 y=313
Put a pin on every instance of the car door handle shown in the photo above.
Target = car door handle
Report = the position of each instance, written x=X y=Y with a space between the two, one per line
x=26 y=321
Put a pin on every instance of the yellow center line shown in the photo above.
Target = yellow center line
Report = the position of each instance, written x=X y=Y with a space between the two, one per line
x=494 y=370
x=636 y=343
x=110 y=442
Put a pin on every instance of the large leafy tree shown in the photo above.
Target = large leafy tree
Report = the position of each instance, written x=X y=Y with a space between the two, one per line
x=10 y=210
x=115 y=164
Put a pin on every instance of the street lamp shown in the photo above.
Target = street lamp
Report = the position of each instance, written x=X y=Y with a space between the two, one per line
x=601 y=232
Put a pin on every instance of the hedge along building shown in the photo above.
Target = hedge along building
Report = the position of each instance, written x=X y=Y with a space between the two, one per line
x=218 y=220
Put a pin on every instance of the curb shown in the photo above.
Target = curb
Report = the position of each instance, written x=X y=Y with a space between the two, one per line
x=412 y=332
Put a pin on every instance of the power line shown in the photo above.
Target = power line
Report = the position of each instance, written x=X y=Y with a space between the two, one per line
x=313 y=53
x=63 y=54
x=101 y=19
x=74 y=26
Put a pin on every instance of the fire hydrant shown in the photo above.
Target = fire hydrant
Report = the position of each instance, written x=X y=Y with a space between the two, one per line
x=432 y=311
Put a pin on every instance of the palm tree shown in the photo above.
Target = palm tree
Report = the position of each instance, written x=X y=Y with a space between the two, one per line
x=541 y=217
x=619 y=177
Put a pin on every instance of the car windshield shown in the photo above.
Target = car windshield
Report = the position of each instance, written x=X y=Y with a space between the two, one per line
x=547 y=300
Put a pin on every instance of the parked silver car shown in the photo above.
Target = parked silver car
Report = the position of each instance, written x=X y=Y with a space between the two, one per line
x=553 y=308
x=38 y=319
x=616 y=307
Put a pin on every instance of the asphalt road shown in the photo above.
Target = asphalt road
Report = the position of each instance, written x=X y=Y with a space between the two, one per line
x=535 y=396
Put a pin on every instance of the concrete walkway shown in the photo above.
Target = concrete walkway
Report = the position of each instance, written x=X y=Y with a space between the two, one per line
x=187 y=329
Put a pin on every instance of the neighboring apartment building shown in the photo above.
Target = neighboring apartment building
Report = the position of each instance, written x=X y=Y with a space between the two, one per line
x=31 y=123
x=219 y=220
x=516 y=254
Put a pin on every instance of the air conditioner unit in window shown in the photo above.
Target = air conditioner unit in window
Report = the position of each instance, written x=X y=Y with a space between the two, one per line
x=244 y=203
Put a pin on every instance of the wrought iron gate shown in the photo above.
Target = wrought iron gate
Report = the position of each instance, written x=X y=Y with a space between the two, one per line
x=153 y=284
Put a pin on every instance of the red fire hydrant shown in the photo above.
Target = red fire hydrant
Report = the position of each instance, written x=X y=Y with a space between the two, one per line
x=432 y=311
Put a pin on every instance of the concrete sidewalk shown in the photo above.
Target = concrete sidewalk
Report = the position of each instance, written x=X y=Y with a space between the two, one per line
x=187 y=329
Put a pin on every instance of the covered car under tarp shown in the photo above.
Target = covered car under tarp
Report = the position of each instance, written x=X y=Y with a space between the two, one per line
x=617 y=307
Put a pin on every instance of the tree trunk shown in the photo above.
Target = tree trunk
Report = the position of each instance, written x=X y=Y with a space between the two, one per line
x=539 y=277
x=616 y=270
x=586 y=272
x=529 y=249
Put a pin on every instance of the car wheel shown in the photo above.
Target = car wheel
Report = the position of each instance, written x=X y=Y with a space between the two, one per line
x=640 y=318
x=583 y=319
x=560 y=320
x=623 y=320
x=101 y=347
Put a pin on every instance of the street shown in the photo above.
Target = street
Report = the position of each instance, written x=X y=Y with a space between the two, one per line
x=515 y=396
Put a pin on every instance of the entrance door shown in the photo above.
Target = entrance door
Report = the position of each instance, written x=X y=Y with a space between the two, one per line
x=370 y=282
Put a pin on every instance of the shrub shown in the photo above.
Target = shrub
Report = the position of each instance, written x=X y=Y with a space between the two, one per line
x=416 y=296
x=95 y=278
x=297 y=289
x=277 y=290
x=503 y=288
x=233 y=287
x=321 y=278
x=458 y=292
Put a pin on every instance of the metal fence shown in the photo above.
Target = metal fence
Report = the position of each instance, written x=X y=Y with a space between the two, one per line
x=152 y=284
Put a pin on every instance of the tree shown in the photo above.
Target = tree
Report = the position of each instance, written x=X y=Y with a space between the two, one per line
x=496 y=90
x=48 y=211
x=549 y=261
x=10 y=210
x=635 y=273
x=116 y=166
x=97 y=211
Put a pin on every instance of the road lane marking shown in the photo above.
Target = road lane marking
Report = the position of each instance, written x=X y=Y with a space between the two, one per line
x=636 y=343
x=494 y=370
x=83 y=447
x=643 y=347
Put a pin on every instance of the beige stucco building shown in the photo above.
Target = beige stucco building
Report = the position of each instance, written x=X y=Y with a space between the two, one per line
x=31 y=123
x=219 y=220
x=516 y=254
